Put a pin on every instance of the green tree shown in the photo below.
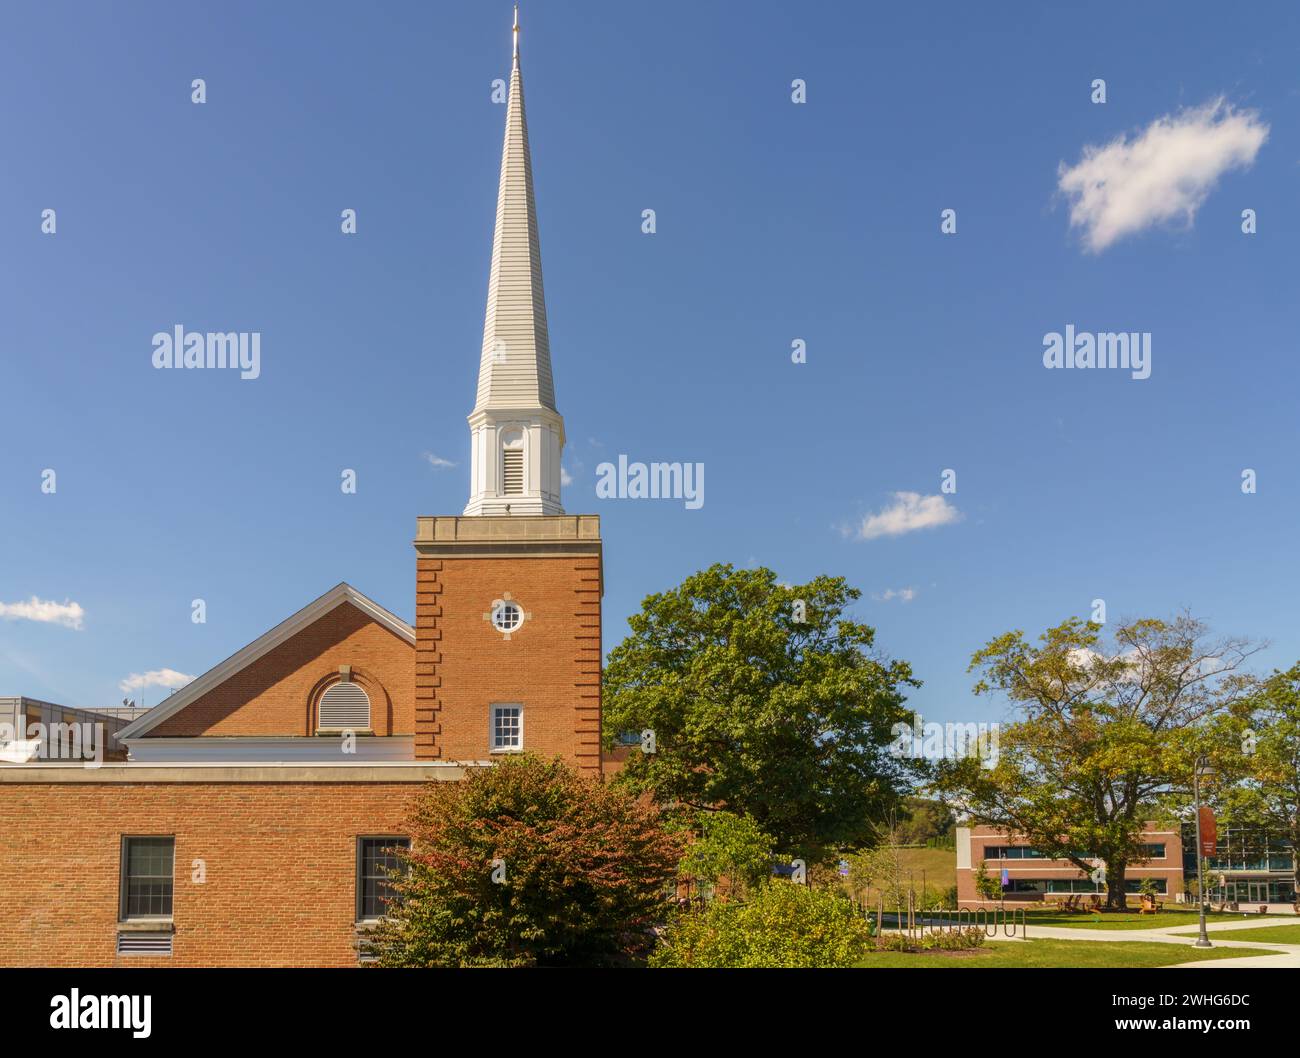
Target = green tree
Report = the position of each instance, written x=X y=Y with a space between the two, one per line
x=1107 y=733
x=785 y=925
x=880 y=867
x=729 y=847
x=763 y=699
x=985 y=886
x=583 y=872
x=922 y=820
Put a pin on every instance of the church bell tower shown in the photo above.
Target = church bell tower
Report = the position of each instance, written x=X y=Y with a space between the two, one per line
x=507 y=595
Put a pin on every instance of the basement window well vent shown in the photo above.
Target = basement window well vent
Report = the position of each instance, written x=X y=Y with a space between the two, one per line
x=513 y=471
x=133 y=943
x=345 y=706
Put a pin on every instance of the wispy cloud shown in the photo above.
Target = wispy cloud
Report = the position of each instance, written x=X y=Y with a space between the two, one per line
x=902 y=594
x=154 y=678
x=68 y=614
x=565 y=477
x=437 y=461
x=908 y=512
x=1161 y=174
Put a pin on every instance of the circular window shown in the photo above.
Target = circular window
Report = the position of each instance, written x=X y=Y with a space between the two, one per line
x=507 y=617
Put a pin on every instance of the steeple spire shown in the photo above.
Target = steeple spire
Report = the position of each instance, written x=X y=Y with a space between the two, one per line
x=516 y=432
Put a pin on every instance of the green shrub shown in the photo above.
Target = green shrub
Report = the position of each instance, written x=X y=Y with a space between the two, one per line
x=785 y=925
x=956 y=940
x=587 y=872
x=947 y=940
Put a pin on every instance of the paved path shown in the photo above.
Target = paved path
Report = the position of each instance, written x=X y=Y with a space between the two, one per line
x=1288 y=955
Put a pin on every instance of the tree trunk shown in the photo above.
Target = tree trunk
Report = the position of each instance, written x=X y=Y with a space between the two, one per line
x=1116 y=896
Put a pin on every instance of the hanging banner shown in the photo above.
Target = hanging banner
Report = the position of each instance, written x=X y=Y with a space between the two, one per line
x=1209 y=831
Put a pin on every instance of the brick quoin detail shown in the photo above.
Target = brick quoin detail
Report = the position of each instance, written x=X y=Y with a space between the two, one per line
x=551 y=665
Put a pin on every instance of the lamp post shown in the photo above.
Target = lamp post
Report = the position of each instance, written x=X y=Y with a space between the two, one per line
x=1202 y=770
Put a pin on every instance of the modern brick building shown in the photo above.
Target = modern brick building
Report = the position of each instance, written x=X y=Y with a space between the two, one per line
x=249 y=824
x=1250 y=869
x=1025 y=876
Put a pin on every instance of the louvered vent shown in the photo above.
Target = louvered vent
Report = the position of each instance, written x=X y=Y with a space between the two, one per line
x=513 y=476
x=345 y=705
x=144 y=943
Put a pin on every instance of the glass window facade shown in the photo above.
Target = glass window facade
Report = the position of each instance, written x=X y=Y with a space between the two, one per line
x=1076 y=885
x=1152 y=851
x=1250 y=866
x=1241 y=849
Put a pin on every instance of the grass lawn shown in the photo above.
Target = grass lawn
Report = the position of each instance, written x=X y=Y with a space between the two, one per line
x=1061 y=953
x=1133 y=920
x=1277 y=934
x=939 y=866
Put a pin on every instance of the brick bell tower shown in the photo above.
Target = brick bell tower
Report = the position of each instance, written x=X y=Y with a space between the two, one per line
x=507 y=595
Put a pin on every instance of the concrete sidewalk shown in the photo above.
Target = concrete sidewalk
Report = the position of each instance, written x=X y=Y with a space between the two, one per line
x=1288 y=955
x=1289 y=960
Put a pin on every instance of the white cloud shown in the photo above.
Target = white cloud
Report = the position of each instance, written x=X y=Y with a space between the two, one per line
x=438 y=461
x=902 y=594
x=68 y=614
x=155 y=678
x=565 y=477
x=909 y=511
x=1162 y=174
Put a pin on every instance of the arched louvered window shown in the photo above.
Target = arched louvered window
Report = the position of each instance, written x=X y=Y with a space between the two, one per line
x=345 y=706
x=512 y=463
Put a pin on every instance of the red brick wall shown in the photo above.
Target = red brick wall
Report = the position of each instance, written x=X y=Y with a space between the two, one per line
x=277 y=694
x=280 y=861
x=550 y=665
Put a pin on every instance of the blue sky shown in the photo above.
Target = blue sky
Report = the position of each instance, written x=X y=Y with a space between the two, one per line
x=775 y=221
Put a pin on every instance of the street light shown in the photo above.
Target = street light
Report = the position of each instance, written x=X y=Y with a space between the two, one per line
x=1203 y=770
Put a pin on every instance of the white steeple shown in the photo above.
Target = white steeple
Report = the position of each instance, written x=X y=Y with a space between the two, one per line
x=516 y=434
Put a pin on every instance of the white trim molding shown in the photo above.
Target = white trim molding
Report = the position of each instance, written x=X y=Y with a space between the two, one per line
x=291 y=749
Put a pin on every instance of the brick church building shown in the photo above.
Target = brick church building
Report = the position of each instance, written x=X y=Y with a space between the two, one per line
x=248 y=824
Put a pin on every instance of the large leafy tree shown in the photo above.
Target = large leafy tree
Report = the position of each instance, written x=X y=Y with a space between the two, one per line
x=1107 y=736
x=764 y=699
x=528 y=864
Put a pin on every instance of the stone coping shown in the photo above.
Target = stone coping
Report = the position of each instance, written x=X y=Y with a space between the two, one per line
x=575 y=530
x=217 y=772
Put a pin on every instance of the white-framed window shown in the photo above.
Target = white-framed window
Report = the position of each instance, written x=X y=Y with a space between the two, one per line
x=507 y=616
x=507 y=728
x=345 y=706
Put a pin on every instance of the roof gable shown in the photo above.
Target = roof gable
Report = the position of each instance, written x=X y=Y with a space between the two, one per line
x=338 y=596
